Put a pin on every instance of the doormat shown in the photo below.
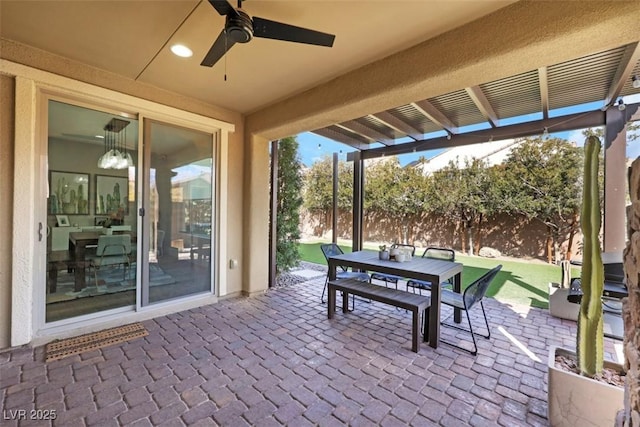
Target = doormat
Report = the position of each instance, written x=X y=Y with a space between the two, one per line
x=59 y=349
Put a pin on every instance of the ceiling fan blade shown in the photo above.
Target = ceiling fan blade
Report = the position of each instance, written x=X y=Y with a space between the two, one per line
x=268 y=29
x=223 y=7
x=221 y=46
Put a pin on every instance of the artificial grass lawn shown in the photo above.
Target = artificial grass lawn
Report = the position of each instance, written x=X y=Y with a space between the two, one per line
x=519 y=282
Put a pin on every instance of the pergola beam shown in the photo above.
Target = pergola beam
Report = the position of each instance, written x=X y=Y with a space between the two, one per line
x=435 y=115
x=388 y=119
x=358 y=144
x=629 y=59
x=520 y=130
x=543 y=82
x=480 y=99
x=366 y=132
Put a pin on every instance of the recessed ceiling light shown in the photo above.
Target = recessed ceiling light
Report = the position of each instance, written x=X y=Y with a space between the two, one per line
x=181 y=50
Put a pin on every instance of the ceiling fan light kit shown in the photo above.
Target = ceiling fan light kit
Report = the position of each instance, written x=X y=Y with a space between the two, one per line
x=241 y=28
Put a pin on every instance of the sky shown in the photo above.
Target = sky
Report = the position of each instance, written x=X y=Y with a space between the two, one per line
x=313 y=147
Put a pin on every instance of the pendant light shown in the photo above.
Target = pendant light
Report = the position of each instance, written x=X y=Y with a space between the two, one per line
x=116 y=155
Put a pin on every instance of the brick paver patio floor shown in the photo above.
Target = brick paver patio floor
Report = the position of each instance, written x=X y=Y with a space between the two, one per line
x=275 y=359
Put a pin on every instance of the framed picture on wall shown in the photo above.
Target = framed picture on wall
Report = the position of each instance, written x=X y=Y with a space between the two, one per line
x=100 y=220
x=63 y=220
x=68 y=193
x=112 y=196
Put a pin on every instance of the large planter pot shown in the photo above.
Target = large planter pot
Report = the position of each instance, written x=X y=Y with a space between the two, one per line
x=575 y=400
x=558 y=304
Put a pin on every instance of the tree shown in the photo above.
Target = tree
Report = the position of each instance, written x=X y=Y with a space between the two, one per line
x=318 y=188
x=289 y=203
x=542 y=182
x=465 y=195
x=395 y=192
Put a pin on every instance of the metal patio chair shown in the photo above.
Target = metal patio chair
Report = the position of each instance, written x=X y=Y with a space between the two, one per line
x=391 y=278
x=471 y=296
x=331 y=249
x=435 y=253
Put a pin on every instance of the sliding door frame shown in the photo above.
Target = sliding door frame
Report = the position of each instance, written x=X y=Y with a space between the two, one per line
x=218 y=218
x=44 y=98
x=33 y=87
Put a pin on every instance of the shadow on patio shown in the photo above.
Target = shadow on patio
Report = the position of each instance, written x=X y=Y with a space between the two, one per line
x=275 y=359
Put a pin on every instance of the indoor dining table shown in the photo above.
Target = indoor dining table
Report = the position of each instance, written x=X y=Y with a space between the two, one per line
x=431 y=270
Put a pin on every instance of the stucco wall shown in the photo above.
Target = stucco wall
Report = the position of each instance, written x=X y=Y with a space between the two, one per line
x=35 y=58
x=233 y=207
x=256 y=214
x=512 y=236
x=6 y=196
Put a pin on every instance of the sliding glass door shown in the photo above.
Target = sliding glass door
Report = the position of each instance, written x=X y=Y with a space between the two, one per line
x=91 y=203
x=178 y=212
x=105 y=248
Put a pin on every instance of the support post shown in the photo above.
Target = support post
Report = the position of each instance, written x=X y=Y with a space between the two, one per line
x=615 y=176
x=358 y=198
x=273 y=240
x=334 y=225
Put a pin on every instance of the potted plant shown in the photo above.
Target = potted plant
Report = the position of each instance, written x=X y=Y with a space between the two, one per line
x=383 y=254
x=578 y=398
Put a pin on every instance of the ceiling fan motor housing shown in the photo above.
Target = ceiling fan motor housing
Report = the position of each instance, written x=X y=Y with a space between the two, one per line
x=239 y=28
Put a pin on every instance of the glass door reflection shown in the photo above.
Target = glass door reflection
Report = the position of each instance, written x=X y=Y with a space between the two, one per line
x=91 y=199
x=179 y=213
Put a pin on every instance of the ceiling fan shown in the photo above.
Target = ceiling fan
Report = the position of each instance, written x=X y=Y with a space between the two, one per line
x=241 y=28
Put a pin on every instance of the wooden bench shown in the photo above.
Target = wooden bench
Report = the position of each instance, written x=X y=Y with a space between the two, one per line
x=414 y=302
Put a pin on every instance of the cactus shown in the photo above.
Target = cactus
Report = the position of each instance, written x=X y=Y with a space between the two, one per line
x=590 y=339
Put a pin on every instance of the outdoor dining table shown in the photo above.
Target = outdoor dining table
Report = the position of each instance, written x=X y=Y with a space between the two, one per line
x=431 y=270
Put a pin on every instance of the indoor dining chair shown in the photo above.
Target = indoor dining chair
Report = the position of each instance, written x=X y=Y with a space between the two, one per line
x=112 y=250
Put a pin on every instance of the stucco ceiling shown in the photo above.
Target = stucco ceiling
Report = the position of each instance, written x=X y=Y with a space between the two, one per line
x=133 y=38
